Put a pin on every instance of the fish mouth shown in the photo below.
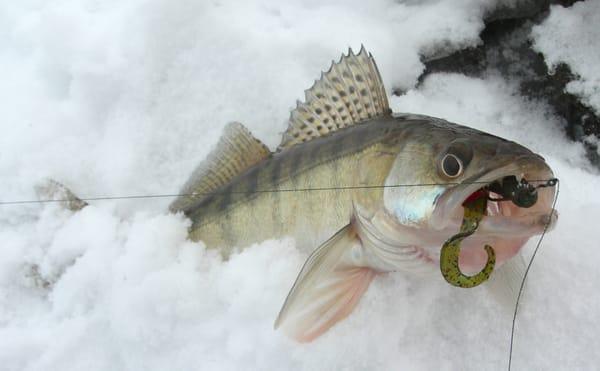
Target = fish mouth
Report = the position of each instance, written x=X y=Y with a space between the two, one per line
x=505 y=226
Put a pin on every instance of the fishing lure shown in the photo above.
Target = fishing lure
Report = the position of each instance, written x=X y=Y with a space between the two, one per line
x=474 y=211
x=521 y=193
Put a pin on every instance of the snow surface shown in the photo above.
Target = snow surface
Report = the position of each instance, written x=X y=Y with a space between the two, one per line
x=122 y=98
x=570 y=35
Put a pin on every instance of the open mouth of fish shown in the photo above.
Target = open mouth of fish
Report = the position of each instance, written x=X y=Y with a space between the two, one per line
x=505 y=226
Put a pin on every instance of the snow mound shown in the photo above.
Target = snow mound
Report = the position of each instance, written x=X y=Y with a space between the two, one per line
x=570 y=35
x=124 y=98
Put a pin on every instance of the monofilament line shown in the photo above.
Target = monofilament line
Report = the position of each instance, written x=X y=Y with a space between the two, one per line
x=20 y=202
x=514 y=320
x=172 y=195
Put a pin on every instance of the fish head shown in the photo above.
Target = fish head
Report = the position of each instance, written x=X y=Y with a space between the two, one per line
x=445 y=165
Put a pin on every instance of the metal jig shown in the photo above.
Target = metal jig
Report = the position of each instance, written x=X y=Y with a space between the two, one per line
x=521 y=193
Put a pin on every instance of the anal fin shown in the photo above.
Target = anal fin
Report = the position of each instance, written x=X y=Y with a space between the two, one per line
x=327 y=289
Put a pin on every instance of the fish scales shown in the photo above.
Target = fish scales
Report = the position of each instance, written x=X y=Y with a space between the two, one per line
x=344 y=135
x=244 y=212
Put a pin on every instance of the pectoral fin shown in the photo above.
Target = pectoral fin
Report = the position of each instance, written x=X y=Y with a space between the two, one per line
x=327 y=289
x=506 y=281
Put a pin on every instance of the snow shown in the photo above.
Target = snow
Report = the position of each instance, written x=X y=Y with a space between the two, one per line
x=124 y=98
x=570 y=35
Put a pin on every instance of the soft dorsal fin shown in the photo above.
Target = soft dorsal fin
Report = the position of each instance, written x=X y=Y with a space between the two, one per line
x=236 y=151
x=350 y=92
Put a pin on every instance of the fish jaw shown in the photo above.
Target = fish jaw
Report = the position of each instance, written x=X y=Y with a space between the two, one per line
x=448 y=207
x=505 y=226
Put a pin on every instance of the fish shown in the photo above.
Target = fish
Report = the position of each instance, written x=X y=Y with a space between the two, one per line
x=334 y=184
x=363 y=190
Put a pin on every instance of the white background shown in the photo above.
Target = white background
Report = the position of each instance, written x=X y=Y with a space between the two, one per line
x=124 y=98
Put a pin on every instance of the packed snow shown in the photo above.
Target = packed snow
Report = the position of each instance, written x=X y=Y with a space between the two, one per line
x=125 y=98
x=570 y=35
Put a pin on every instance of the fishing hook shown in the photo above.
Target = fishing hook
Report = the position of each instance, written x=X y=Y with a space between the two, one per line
x=521 y=193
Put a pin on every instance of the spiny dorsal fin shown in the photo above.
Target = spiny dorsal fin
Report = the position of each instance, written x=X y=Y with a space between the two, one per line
x=350 y=92
x=236 y=151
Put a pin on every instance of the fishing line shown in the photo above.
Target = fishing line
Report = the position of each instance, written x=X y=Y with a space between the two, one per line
x=514 y=320
x=549 y=182
x=101 y=198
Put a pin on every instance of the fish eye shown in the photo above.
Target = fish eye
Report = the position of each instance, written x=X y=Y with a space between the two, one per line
x=452 y=166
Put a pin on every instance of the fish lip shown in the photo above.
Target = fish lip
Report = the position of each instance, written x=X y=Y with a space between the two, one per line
x=530 y=166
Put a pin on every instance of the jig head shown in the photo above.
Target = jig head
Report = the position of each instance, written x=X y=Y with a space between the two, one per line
x=521 y=193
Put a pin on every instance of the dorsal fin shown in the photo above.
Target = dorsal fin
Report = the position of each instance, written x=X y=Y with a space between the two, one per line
x=350 y=92
x=236 y=151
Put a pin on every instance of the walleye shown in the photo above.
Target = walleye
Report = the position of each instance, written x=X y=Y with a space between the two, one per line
x=335 y=185
x=344 y=143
